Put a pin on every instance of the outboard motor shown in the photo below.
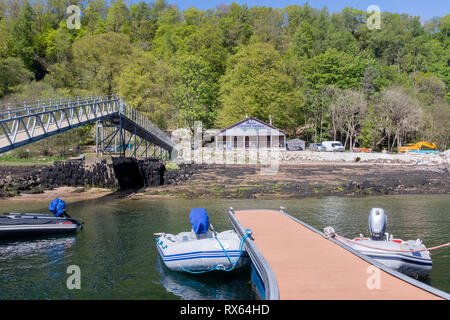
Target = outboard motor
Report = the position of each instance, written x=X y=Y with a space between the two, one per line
x=57 y=207
x=377 y=223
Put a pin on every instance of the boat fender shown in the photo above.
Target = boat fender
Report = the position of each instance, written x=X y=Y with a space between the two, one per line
x=329 y=232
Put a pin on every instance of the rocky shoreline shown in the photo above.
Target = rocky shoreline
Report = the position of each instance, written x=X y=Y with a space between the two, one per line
x=120 y=173
x=307 y=180
x=152 y=179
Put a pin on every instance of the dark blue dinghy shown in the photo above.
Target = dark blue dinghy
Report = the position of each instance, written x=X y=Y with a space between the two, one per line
x=32 y=224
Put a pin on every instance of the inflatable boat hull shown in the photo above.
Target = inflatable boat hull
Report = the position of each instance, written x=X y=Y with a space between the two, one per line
x=414 y=264
x=184 y=252
x=24 y=225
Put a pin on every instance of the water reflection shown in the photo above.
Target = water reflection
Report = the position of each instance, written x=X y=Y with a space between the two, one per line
x=118 y=258
x=215 y=285
x=53 y=248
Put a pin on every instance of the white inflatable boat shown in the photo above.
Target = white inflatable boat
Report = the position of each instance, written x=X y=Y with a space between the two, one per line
x=202 y=249
x=408 y=257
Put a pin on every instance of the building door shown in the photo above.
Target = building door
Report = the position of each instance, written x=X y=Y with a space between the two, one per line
x=247 y=142
x=235 y=142
x=268 y=141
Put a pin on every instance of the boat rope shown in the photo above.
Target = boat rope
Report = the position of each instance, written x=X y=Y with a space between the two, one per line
x=247 y=234
x=343 y=239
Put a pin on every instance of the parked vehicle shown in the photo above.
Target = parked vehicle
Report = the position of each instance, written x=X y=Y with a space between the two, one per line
x=316 y=147
x=362 y=150
x=295 y=145
x=420 y=147
x=333 y=146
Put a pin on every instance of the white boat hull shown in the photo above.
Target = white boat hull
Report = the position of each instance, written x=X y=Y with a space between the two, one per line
x=415 y=264
x=184 y=252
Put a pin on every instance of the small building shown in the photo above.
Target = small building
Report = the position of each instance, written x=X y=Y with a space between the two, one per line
x=251 y=133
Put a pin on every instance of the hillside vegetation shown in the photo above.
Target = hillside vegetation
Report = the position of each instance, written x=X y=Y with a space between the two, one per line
x=320 y=75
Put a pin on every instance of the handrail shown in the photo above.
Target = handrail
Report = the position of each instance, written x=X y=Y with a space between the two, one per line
x=54 y=101
x=374 y=262
x=27 y=115
x=262 y=266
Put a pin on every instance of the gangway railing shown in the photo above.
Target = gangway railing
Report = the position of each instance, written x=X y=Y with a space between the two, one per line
x=27 y=122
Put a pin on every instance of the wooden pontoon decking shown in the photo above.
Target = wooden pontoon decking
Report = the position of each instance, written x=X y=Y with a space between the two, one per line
x=306 y=265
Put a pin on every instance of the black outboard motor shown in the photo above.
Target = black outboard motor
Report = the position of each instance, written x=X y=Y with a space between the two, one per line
x=377 y=223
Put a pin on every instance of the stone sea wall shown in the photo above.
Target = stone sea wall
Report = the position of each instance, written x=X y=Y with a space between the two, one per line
x=118 y=173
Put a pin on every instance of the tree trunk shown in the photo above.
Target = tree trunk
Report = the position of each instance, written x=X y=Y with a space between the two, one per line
x=346 y=139
x=394 y=141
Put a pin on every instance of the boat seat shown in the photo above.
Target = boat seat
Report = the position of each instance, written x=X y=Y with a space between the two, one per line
x=195 y=236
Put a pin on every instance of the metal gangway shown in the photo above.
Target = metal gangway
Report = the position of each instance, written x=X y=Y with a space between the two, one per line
x=132 y=132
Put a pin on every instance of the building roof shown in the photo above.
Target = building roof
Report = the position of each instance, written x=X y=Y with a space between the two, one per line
x=250 y=118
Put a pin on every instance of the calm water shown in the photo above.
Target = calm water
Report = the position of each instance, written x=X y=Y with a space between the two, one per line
x=118 y=259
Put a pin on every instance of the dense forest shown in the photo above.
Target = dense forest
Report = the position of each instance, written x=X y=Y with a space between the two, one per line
x=319 y=74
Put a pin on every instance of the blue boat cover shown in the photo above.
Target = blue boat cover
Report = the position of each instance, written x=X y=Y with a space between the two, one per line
x=57 y=207
x=199 y=220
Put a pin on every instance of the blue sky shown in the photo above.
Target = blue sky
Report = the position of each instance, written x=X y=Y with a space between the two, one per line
x=427 y=9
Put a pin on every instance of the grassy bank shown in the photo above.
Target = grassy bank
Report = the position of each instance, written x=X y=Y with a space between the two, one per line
x=11 y=160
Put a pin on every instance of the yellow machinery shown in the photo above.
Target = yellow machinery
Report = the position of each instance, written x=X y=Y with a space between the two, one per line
x=420 y=147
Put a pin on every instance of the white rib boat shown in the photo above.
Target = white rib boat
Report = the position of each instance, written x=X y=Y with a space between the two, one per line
x=408 y=257
x=202 y=249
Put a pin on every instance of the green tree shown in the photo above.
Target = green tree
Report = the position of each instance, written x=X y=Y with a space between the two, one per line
x=58 y=45
x=196 y=92
x=335 y=68
x=93 y=16
x=143 y=24
x=268 y=25
x=12 y=73
x=117 y=19
x=430 y=86
x=206 y=41
x=98 y=59
x=4 y=39
x=22 y=35
x=255 y=84
x=148 y=84
x=236 y=25
x=169 y=35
